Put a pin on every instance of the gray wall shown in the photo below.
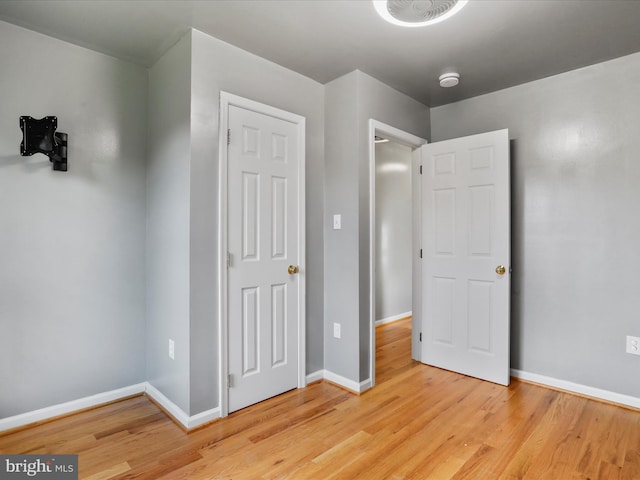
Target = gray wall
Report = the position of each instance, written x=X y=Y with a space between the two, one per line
x=380 y=102
x=394 y=228
x=575 y=218
x=185 y=88
x=341 y=246
x=350 y=102
x=168 y=223
x=71 y=244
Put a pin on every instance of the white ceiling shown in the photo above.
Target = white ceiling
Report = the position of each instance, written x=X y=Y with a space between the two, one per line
x=493 y=44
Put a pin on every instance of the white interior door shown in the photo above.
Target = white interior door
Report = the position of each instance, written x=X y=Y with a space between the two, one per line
x=466 y=255
x=264 y=234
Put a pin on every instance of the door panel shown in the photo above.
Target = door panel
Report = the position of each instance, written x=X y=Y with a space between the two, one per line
x=250 y=229
x=466 y=235
x=444 y=203
x=263 y=234
x=278 y=218
x=250 y=330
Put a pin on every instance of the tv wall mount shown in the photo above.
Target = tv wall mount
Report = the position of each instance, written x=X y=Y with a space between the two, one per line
x=40 y=136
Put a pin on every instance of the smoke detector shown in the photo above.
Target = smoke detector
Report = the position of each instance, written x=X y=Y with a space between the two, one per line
x=417 y=13
x=448 y=80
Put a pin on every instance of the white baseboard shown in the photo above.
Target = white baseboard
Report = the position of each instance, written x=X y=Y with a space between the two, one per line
x=355 y=387
x=393 y=318
x=203 y=417
x=578 y=388
x=315 y=376
x=365 y=385
x=193 y=421
x=69 y=407
x=74 y=406
x=177 y=413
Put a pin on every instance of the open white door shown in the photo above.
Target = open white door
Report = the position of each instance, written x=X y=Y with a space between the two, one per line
x=466 y=255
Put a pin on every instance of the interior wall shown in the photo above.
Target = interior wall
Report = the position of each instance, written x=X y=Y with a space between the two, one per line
x=168 y=224
x=351 y=101
x=218 y=66
x=72 y=244
x=341 y=246
x=575 y=225
x=394 y=228
x=382 y=103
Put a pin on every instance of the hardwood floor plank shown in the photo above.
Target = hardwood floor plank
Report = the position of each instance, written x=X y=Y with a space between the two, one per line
x=542 y=452
x=111 y=472
x=631 y=467
x=418 y=422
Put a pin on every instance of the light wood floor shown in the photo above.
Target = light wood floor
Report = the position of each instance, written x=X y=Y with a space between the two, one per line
x=418 y=422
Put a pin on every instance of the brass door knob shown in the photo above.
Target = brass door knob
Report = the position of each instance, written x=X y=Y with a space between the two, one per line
x=501 y=270
x=293 y=269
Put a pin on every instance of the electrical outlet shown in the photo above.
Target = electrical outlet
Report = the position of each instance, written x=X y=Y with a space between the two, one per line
x=172 y=350
x=633 y=345
x=336 y=330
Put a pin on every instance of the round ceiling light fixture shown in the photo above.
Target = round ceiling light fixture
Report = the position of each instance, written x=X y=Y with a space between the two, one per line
x=417 y=13
x=448 y=80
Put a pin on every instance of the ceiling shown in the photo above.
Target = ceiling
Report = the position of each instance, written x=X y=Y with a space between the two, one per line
x=493 y=44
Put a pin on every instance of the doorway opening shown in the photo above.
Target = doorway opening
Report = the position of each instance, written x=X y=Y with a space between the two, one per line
x=393 y=231
x=394 y=197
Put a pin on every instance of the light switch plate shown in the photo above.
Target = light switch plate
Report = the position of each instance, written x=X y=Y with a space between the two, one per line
x=337 y=222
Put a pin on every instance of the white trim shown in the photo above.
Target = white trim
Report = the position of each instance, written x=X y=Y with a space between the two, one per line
x=416 y=260
x=393 y=318
x=177 y=413
x=193 y=421
x=346 y=383
x=339 y=380
x=226 y=100
x=404 y=138
x=365 y=385
x=75 y=406
x=69 y=407
x=315 y=376
x=586 y=390
x=203 y=417
x=222 y=257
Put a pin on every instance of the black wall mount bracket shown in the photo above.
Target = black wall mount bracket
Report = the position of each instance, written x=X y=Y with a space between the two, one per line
x=40 y=136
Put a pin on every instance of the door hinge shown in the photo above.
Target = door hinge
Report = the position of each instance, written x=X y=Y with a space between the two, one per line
x=420 y=169
x=228 y=136
x=228 y=260
x=420 y=253
x=229 y=381
x=420 y=336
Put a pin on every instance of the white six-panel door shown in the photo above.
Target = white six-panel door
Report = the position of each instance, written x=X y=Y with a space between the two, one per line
x=263 y=236
x=466 y=255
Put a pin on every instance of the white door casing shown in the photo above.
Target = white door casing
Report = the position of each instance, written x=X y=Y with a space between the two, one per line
x=404 y=138
x=265 y=235
x=466 y=237
x=416 y=256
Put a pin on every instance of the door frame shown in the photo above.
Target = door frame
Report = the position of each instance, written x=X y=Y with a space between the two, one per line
x=227 y=100
x=394 y=134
